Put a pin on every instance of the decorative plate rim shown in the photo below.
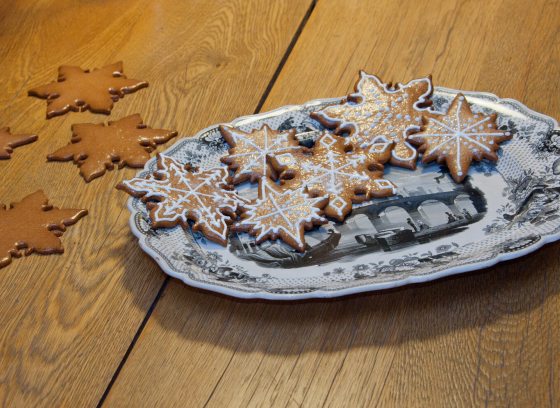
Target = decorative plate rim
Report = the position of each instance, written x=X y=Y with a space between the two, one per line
x=320 y=293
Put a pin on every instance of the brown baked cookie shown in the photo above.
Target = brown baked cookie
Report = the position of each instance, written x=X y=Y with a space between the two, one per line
x=8 y=142
x=248 y=152
x=32 y=225
x=78 y=90
x=378 y=109
x=176 y=195
x=96 y=148
x=458 y=137
x=281 y=213
x=335 y=169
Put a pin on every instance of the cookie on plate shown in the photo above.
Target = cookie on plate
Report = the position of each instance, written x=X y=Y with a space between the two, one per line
x=281 y=213
x=249 y=150
x=458 y=137
x=176 y=195
x=334 y=168
x=377 y=109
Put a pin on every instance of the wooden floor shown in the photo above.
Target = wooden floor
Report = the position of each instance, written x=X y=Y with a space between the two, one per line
x=102 y=325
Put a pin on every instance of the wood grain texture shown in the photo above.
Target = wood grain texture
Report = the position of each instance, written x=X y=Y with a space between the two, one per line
x=68 y=320
x=484 y=339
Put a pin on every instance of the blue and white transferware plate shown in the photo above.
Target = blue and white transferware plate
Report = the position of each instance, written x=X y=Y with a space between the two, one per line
x=432 y=228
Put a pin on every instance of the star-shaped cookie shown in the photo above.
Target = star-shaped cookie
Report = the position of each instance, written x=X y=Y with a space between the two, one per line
x=176 y=195
x=96 y=148
x=458 y=137
x=378 y=109
x=248 y=153
x=33 y=226
x=79 y=90
x=281 y=213
x=335 y=169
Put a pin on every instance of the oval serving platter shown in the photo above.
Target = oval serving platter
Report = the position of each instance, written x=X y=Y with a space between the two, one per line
x=432 y=228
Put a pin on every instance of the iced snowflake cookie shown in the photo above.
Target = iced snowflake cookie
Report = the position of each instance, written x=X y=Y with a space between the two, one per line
x=378 y=109
x=248 y=153
x=458 y=137
x=334 y=169
x=176 y=195
x=281 y=213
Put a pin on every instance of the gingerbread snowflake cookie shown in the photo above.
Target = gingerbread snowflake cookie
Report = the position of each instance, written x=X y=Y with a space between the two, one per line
x=77 y=89
x=176 y=195
x=33 y=226
x=377 y=109
x=96 y=148
x=248 y=151
x=334 y=169
x=281 y=213
x=458 y=137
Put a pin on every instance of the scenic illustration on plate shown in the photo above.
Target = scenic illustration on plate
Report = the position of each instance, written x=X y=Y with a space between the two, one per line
x=427 y=207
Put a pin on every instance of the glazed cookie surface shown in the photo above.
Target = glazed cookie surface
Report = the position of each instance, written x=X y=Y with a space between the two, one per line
x=378 y=109
x=458 y=137
x=96 y=147
x=335 y=169
x=78 y=90
x=33 y=225
x=176 y=195
x=281 y=213
x=249 y=150
x=9 y=141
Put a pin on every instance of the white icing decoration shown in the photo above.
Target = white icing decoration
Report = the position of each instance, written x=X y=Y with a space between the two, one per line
x=458 y=135
x=261 y=152
x=378 y=99
x=187 y=194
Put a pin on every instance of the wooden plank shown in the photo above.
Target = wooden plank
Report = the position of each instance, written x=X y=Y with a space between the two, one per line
x=484 y=338
x=68 y=320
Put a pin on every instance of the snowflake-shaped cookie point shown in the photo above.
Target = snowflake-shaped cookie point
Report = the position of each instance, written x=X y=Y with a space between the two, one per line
x=281 y=214
x=377 y=109
x=335 y=169
x=177 y=195
x=248 y=153
x=9 y=141
x=458 y=137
